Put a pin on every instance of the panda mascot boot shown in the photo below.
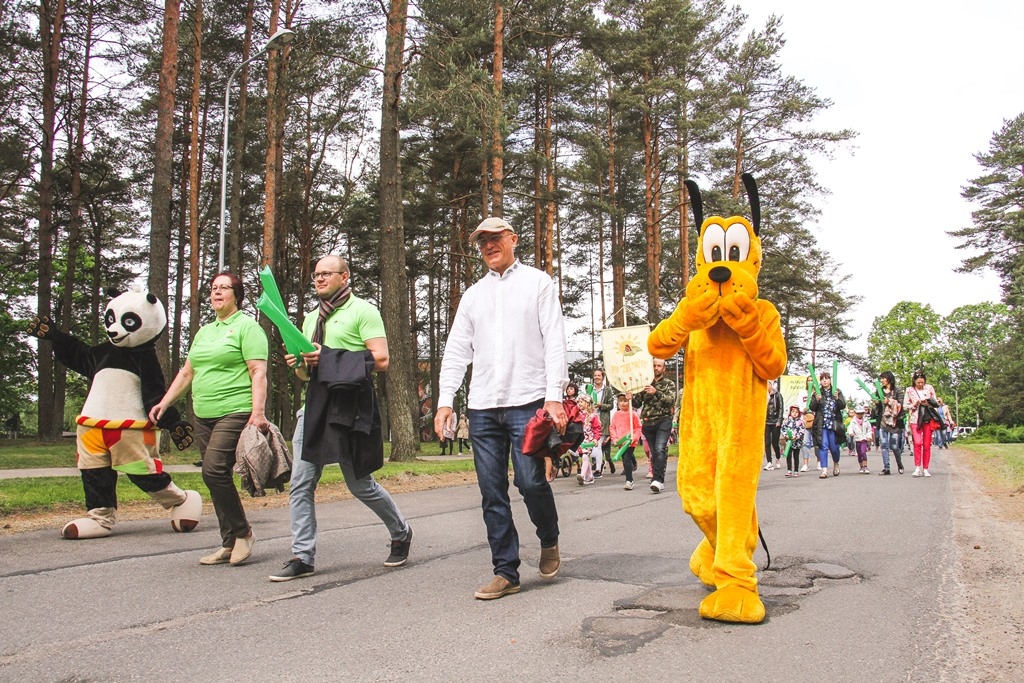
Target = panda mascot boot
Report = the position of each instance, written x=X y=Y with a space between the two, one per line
x=114 y=434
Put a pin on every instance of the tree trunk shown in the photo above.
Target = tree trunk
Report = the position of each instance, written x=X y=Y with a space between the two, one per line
x=194 y=170
x=497 y=143
x=682 y=172
x=76 y=154
x=549 y=169
x=616 y=226
x=160 y=211
x=401 y=395
x=270 y=165
x=234 y=260
x=51 y=25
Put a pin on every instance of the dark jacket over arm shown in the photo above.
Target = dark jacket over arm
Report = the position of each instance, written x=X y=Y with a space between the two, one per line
x=342 y=419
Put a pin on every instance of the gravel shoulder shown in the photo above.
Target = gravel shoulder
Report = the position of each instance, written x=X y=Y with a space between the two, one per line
x=988 y=522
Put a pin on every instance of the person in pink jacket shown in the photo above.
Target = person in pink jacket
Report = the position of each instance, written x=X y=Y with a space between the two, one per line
x=920 y=393
x=591 y=435
x=624 y=421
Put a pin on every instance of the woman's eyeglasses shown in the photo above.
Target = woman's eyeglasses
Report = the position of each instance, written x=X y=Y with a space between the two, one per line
x=221 y=288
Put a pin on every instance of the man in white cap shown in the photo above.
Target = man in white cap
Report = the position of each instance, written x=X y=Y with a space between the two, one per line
x=509 y=326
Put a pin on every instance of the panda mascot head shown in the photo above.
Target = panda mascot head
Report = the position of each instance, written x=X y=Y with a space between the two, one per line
x=133 y=318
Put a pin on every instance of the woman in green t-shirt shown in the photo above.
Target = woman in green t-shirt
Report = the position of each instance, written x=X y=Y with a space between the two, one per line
x=227 y=371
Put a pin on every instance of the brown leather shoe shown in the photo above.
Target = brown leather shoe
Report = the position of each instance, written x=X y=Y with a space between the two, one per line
x=549 y=562
x=497 y=588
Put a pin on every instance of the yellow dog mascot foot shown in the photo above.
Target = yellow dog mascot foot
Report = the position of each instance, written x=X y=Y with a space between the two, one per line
x=733 y=345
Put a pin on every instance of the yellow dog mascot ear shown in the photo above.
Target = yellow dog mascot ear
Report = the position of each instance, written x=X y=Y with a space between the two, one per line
x=733 y=345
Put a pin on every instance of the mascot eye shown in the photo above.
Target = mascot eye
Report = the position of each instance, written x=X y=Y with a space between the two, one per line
x=109 y=318
x=714 y=241
x=131 y=321
x=737 y=242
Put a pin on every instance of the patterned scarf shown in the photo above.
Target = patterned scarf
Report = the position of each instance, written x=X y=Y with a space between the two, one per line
x=327 y=307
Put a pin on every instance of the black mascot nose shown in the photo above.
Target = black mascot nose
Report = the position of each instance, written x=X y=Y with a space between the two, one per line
x=720 y=274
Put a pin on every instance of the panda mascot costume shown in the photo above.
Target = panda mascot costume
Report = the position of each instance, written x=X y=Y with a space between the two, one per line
x=114 y=433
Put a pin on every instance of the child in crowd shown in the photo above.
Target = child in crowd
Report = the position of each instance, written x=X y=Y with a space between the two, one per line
x=793 y=439
x=591 y=436
x=860 y=431
x=625 y=421
x=808 y=444
x=850 y=443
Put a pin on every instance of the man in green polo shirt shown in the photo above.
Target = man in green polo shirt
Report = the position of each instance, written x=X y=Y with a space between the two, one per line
x=346 y=322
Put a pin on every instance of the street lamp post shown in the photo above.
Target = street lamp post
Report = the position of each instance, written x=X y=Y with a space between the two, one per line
x=282 y=36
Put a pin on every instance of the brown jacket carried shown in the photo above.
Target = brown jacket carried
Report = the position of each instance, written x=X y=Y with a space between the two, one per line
x=262 y=461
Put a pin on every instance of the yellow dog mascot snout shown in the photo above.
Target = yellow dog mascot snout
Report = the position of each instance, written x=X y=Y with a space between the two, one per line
x=733 y=345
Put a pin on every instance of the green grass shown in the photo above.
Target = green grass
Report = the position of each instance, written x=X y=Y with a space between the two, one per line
x=21 y=454
x=40 y=494
x=1002 y=462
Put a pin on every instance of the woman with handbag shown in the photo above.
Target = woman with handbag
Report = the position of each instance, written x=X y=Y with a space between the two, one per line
x=918 y=401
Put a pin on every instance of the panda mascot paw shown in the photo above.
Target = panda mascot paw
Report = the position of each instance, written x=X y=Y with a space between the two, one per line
x=185 y=517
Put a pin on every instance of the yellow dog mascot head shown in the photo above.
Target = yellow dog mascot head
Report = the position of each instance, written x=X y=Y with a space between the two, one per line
x=733 y=345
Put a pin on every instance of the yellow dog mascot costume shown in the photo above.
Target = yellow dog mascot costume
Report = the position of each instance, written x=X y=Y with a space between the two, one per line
x=733 y=346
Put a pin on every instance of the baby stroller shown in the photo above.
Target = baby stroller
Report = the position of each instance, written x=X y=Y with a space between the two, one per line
x=567 y=461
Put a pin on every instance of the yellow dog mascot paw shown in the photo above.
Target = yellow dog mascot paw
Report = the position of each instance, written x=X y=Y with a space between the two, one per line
x=733 y=346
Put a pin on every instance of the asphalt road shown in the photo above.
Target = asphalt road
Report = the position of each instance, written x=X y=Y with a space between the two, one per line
x=862 y=587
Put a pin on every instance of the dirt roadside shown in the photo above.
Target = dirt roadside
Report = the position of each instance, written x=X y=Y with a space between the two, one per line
x=988 y=523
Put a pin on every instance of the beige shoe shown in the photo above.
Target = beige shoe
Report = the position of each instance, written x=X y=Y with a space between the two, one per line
x=497 y=588
x=218 y=556
x=243 y=548
x=549 y=562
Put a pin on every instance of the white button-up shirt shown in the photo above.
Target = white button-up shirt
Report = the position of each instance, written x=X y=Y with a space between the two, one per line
x=510 y=327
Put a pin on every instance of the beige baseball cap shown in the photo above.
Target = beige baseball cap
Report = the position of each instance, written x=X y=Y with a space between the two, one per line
x=492 y=225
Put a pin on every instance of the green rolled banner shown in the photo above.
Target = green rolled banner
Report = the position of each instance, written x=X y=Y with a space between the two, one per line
x=835 y=374
x=294 y=341
x=624 y=442
x=814 y=380
x=866 y=389
x=269 y=285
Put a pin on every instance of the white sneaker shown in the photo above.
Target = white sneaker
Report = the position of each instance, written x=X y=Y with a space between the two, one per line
x=917 y=472
x=656 y=487
x=628 y=486
x=927 y=473
x=769 y=467
x=804 y=468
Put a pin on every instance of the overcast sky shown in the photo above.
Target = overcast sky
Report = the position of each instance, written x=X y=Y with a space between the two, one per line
x=925 y=85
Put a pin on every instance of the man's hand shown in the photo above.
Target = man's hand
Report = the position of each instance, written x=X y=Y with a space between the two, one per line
x=557 y=412
x=440 y=417
x=312 y=359
x=41 y=326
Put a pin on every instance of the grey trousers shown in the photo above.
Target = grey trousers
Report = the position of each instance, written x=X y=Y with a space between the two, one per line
x=306 y=475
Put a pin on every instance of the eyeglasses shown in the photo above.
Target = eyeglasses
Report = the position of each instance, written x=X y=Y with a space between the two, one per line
x=484 y=240
x=221 y=288
x=323 y=274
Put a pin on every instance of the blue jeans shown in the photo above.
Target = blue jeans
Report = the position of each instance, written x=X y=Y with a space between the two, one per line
x=828 y=445
x=891 y=441
x=305 y=477
x=494 y=433
x=656 y=435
